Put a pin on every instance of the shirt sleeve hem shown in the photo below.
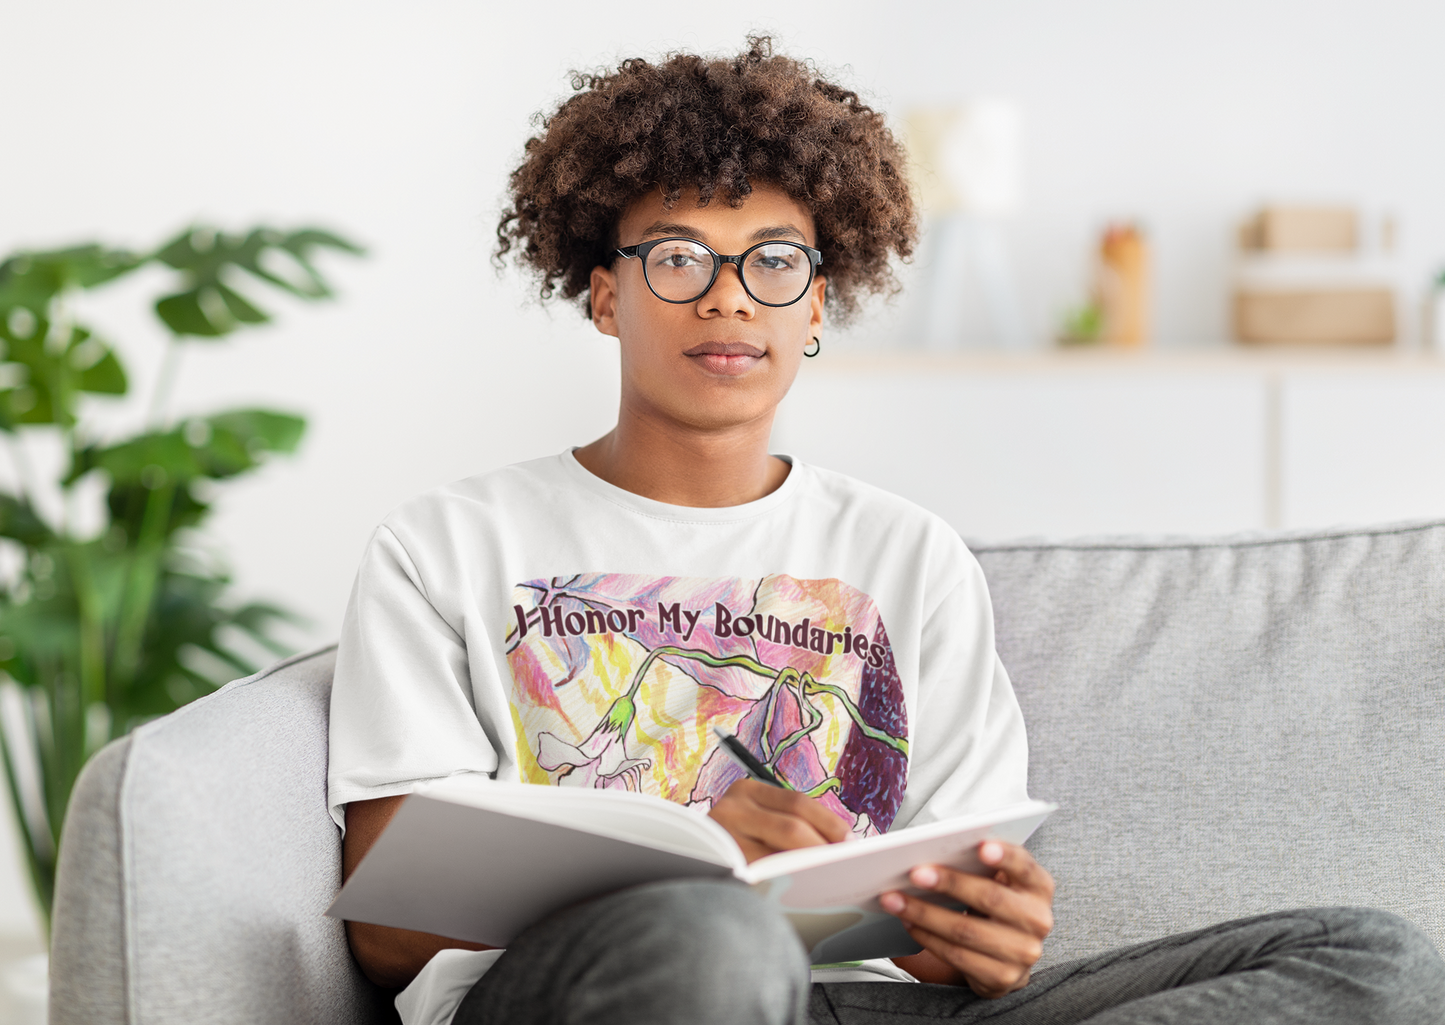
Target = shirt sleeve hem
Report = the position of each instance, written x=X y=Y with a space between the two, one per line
x=343 y=794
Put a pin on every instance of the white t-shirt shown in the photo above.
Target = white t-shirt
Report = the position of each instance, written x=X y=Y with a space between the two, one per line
x=538 y=624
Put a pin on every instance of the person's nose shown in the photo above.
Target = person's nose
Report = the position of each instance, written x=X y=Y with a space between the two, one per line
x=727 y=297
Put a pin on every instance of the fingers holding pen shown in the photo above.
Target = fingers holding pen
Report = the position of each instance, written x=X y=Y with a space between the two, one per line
x=790 y=802
x=765 y=819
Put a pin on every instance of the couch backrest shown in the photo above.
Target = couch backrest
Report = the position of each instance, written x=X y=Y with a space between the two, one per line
x=197 y=861
x=1232 y=726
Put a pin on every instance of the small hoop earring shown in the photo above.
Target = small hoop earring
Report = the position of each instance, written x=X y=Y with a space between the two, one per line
x=817 y=347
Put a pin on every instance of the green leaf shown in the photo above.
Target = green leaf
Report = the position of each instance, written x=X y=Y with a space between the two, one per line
x=19 y=522
x=300 y=244
x=302 y=241
x=190 y=617
x=165 y=466
x=209 y=306
x=32 y=279
x=104 y=377
x=239 y=309
x=214 y=447
x=137 y=461
x=47 y=391
x=182 y=313
x=127 y=503
x=260 y=429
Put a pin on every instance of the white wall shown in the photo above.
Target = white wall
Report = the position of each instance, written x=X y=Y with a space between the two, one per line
x=397 y=123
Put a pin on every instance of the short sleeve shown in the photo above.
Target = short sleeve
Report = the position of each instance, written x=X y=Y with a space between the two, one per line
x=969 y=749
x=401 y=706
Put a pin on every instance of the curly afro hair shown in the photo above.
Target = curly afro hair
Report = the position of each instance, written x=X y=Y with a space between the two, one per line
x=718 y=126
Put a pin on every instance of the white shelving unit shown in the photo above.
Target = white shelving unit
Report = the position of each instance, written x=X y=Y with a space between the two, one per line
x=1091 y=441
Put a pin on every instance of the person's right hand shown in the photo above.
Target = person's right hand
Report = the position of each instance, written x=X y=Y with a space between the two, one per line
x=765 y=819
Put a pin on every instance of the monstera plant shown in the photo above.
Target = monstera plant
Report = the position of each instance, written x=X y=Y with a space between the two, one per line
x=106 y=626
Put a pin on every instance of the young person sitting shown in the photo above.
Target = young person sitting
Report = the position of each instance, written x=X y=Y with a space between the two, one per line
x=706 y=213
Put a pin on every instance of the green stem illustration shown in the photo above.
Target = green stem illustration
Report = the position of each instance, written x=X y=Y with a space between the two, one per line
x=831 y=783
x=623 y=711
x=897 y=743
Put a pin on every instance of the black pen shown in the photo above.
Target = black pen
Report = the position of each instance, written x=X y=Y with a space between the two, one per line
x=754 y=768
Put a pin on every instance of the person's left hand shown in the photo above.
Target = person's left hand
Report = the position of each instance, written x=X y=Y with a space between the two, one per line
x=991 y=947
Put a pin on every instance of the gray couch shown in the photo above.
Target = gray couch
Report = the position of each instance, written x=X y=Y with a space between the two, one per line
x=1230 y=726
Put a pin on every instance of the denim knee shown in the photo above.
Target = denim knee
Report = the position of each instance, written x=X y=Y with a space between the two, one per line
x=1381 y=931
x=1414 y=984
x=711 y=952
x=722 y=922
x=696 y=951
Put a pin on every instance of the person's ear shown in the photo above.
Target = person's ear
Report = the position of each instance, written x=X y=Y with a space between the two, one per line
x=603 y=300
x=815 y=300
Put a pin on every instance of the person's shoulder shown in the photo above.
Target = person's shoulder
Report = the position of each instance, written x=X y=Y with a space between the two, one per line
x=890 y=518
x=493 y=496
x=850 y=495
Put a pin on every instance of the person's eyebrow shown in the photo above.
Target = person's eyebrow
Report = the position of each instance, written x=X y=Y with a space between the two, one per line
x=668 y=229
x=778 y=231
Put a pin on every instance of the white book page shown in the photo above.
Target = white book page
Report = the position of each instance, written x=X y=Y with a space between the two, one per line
x=830 y=894
x=480 y=870
x=950 y=841
x=615 y=813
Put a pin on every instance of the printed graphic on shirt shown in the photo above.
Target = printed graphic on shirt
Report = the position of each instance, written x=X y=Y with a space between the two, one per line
x=618 y=681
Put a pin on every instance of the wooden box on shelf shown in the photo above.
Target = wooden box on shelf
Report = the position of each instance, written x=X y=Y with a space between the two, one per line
x=1341 y=315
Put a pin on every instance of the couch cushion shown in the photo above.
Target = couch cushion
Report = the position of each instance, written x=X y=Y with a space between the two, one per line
x=197 y=863
x=1231 y=726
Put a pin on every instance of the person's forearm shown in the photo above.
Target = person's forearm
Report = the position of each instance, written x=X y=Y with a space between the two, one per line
x=390 y=957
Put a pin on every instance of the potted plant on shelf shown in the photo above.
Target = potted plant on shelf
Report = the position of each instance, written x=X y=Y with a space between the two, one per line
x=106 y=628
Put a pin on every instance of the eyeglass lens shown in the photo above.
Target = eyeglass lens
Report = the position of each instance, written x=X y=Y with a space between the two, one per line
x=680 y=271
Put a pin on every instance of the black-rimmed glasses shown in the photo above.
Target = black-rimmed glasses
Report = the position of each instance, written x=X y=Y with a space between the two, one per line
x=681 y=270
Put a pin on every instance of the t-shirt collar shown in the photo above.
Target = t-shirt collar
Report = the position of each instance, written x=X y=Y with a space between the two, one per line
x=685 y=513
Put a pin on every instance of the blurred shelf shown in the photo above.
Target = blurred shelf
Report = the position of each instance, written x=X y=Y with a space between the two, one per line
x=1226 y=359
x=1207 y=439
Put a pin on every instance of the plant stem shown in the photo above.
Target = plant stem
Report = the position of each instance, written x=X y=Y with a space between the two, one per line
x=92 y=628
x=140 y=584
x=165 y=381
x=144 y=567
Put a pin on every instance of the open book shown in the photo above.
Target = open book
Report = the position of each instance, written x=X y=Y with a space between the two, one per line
x=476 y=860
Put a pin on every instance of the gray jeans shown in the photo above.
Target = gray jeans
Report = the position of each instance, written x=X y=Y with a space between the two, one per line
x=710 y=953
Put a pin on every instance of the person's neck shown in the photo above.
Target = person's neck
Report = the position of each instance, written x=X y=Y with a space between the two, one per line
x=689 y=466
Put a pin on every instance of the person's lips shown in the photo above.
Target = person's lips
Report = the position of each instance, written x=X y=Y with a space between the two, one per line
x=726 y=358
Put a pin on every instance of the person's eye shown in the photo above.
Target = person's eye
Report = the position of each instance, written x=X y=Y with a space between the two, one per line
x=676 y=258
x=775 y=259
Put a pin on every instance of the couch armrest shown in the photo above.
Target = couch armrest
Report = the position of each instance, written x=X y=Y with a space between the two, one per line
x=87 y=948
